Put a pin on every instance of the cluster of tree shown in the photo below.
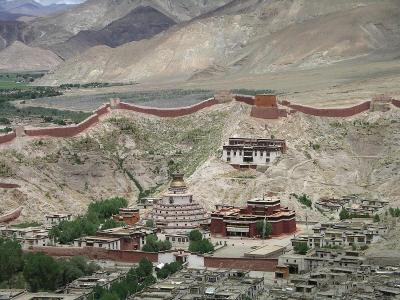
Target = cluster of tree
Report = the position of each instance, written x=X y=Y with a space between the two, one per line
x=301 y=248
x=97 y=214
x=31 y=93
x=154 y=245
x=4 y=121
x=169 y=269
x=199 y=244
x=394 y=212
x=43 y=272
x=303 y=199
x=51 y=119
x=344 y=215
x=136 y=280
x=264 y=228
x=91 y=85
x=40 y=271
x=5 y=130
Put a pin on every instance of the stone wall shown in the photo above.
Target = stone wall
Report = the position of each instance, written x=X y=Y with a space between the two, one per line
x=64 y=131
x=396 y=103
x=5 y=138
x=9 y=186
x=243 y=263
x=250 y=100
x=169 y=112
x=330 y=112
x=96 y=253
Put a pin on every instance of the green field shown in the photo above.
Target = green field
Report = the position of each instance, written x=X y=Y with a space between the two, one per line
x=18 y=80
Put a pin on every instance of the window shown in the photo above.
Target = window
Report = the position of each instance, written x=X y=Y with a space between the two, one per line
x=171 y=200
x=228 y=159
x=255 y=153
x=234 y=153
x=228 y=153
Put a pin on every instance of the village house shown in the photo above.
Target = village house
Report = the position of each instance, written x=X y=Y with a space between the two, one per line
x=130 y=237
x=55 y=219
x=85 y=285
x=27 y=237
x=250 y=153
x=108 y=243
x=195 y=284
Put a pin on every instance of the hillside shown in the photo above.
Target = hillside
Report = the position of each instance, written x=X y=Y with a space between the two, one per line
x=129 y=152
x=245 y=39
x=20 y=57
x=140 y=23
x=97 y=14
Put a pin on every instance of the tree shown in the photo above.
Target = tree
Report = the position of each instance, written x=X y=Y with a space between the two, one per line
x=377 y=219
x=264 y=228
x=11 y=260
x=41 y=272
x=301 y=248
x=110 y=223
x=154 y=245
x=146 y=266
x=344 y=214
x=150 y=223
x=195 y=235
x=109 y=296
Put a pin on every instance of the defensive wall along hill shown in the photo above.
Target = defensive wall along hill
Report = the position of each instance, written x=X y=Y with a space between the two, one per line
x=263 y=107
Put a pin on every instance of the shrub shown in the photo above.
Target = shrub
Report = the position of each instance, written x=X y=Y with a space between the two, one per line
x=198 y=244
x=344 y=214
x=154 y=245
x=264 y=231
x=377 y=219
x=303 y=199
x=301 y=248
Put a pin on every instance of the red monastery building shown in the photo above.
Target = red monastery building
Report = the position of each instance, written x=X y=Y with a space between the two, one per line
x=235 y=221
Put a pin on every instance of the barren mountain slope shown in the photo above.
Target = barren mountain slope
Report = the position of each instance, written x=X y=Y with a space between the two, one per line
x=246 y=38
x=354 y=155
x=140 y=23
x=97 y=14
x=10 y=31
x=19 y=56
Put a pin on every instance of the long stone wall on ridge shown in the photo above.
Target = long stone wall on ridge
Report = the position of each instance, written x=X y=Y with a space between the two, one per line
x=169 y=112
x=257 y=111
x=330 y=112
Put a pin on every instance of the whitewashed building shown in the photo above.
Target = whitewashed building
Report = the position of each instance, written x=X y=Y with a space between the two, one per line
x=250 y=153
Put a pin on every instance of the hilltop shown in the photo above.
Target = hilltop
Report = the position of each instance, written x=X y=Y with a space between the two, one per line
x=130 y=154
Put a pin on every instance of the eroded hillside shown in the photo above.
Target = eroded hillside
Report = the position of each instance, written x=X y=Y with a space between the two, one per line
x=128 y=152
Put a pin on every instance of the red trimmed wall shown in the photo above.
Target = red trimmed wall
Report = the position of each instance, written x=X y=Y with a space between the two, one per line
x=396 y=103
x=331 y=112
x=9 y=186
x=5 y=138
x=169 y=112
x=250 y=100
x=244 y=263
x=97 y=253
x=65 y=131
x=102 y=110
